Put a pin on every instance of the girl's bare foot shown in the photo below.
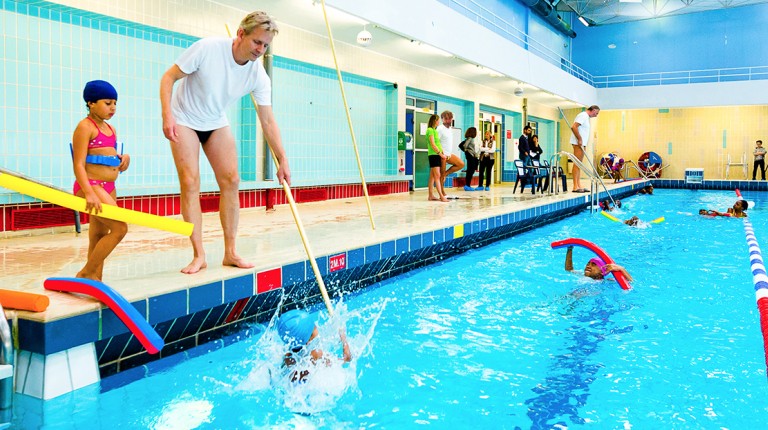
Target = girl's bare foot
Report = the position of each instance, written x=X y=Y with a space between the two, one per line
x=85 y=275
x=197 y=264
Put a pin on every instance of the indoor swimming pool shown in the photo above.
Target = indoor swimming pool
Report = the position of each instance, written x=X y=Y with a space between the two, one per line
x=499 y=337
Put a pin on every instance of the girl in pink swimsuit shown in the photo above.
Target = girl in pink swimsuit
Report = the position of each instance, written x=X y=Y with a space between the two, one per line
x=96 y=164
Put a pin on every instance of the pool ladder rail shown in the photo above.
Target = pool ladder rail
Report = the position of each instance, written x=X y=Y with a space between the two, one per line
x=592 y=174
x=7 y=361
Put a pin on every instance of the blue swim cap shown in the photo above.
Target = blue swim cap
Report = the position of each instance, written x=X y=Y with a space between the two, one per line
x=295 y=327
x=99 y=90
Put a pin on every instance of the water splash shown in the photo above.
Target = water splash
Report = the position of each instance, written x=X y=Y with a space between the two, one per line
x=328 y=380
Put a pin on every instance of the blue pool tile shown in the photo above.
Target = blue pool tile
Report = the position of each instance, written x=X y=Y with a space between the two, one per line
x=448 y=233
x=294 y=273
x=111 y=325
x=388 y=249
x=415 y=242
x=484 y=224
x=372 y=253
x=59 y=335
x=402 y=245
x=322 y=265
x=167 y=306
x=205 y=296
x=427 y=239
x=239 y=288
x=439 y=236
x=356 y=258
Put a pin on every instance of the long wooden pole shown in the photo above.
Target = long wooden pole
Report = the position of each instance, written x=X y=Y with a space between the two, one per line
x=297 y=219
x=349 y=117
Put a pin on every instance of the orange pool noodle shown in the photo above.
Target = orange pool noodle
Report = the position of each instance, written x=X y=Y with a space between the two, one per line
x=24 y=301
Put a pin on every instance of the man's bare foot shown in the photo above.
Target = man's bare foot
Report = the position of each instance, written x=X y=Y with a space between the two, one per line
x=433 y=199
x=444 y=199
x=236 y=261
x=197 y=264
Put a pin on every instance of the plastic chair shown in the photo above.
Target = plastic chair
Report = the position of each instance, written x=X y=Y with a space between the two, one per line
x=742 y=164
x=526 y=175
x=543 y=173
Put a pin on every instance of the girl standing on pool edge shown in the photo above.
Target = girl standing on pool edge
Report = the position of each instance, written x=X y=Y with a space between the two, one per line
x=96 y=165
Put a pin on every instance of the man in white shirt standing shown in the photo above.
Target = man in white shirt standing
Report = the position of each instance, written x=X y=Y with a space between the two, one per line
x=213 y=73
x=579 y=140
x=446 y=140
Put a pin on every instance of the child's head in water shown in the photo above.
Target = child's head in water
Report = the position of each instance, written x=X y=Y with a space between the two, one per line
x=296 y=328
x=595 y=268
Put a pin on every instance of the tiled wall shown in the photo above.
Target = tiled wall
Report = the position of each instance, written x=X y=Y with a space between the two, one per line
x=49 y=51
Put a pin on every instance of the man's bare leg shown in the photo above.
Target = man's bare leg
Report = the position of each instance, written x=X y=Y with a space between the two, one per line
x=222 y=154
x=186 y=155
x=578 y=151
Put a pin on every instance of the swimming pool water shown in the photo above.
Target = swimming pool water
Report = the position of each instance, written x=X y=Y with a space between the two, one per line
x=503 y=337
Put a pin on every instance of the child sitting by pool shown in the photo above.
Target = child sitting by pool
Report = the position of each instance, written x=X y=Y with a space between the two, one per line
x=737 y=211
x=298 y=329
x=596 y=268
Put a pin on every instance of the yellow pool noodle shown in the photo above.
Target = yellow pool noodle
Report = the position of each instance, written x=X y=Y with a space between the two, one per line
x=609 y=216
x=658 y=220
x=75 y=203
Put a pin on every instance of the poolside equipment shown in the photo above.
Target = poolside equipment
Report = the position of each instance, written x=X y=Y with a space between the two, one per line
x=132 y=319
x=743 y=164
x=297 y=219
x=573 y=241
x=658 y=220
x=24 y=301
x=69 y=201
x=347 y=110
x=650 y=164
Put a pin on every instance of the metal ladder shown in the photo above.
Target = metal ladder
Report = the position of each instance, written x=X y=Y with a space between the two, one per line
x=7 y=362
x=592 y=175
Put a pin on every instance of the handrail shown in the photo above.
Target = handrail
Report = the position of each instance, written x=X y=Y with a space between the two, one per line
x=592 y=175
x=7 y=356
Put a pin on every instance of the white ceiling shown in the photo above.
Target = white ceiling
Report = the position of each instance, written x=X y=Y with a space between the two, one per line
x=603 y=12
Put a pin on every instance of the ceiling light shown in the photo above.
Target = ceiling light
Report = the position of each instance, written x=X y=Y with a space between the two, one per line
x=364 y=38
x=630 y=1
x=583 y=21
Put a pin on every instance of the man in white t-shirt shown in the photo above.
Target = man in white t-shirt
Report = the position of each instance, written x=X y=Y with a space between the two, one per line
x=579 y=139
x=446 y=141
x=213 y=73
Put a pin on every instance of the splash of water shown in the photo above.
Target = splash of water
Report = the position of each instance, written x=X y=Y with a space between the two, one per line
x=328 y=380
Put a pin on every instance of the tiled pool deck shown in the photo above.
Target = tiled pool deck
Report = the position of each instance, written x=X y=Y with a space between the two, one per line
x=192 y=310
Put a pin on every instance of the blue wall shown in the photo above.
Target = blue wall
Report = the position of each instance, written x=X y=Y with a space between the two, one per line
x=705 y=40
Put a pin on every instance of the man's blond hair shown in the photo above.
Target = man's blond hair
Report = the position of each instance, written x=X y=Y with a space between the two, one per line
x=260 y=20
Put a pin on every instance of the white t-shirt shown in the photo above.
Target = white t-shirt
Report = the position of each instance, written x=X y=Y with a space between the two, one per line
x=446 y=139
x=583 y=119
x=214 y=81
